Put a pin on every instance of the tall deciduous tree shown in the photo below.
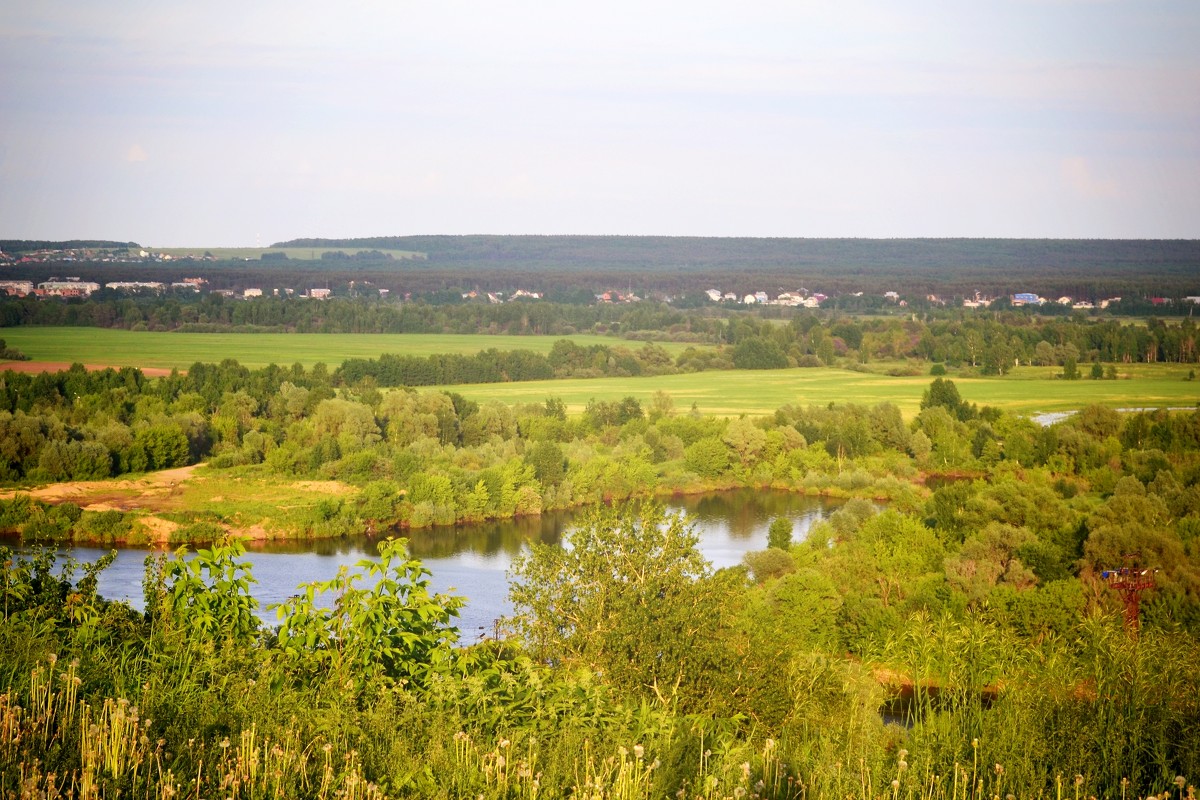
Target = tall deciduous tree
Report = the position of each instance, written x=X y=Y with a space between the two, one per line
x=631 y=596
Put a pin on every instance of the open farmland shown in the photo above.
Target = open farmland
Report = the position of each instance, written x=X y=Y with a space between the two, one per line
x=121 y=348
x=731 y=393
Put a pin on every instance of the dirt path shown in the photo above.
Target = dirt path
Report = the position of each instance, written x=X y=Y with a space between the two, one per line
x=123 y=494
x=154 y=496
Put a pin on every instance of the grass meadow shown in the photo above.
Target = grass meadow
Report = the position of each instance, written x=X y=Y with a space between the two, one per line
x=731 y=393
x=725 y=393
x=121 y=348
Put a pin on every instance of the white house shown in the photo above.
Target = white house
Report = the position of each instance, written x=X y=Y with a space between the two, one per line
x=16 y=287
x=69 y=288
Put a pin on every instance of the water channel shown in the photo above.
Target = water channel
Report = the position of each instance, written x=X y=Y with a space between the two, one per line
x=472 y=560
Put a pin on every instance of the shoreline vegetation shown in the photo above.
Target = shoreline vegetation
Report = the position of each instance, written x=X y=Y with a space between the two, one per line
x=130 y=512
x=303 y=454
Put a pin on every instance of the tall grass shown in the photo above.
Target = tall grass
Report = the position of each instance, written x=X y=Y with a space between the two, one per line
x=140 y=706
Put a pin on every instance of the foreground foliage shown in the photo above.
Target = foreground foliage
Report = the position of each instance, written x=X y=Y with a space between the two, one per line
x=640 y=673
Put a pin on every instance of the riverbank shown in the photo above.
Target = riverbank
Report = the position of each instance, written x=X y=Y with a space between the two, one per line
x=197 y=505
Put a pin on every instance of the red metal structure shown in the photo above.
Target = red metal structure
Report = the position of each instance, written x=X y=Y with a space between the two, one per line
x=1130 y=582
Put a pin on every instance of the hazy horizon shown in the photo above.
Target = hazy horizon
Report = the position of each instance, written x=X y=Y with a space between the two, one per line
x=228 y=124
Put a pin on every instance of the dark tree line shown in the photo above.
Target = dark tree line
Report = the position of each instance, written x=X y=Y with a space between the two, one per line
x=683 y=267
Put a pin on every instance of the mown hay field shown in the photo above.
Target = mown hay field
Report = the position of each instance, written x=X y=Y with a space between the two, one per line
x=729 y=393
x=1027 y=390
x=122 y=348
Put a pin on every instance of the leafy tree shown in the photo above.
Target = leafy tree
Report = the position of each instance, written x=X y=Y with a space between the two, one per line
x=395 y=628
x=165 y=446
x=780 y=533
x=942 y=393
x=767 y=564
x=990 y=558
x=745 y=439
x=206 y=597
x=707 y=457
x=759 y=353
x=548 y=462
x=630 y=596
x=351 y=424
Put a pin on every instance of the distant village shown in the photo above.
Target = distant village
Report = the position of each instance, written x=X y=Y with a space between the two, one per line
x=75 y=287
x=98 y=256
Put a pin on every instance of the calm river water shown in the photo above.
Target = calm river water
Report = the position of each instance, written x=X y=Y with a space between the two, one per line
x=472 y=560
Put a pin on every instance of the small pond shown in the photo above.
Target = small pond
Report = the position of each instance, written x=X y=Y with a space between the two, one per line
x=472 y=560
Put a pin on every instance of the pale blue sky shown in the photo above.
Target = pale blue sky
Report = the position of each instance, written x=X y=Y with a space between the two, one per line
x=231 y=123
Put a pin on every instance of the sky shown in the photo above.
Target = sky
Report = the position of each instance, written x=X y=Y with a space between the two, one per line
x=244 y=123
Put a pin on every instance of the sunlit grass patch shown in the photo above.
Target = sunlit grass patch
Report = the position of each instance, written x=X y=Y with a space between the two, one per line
x=1026 y=390
x=167 y=349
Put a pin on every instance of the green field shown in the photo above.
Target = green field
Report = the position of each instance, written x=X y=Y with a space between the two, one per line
x=1027 y=390
x=729 y=393
x=254 y=253
x=120 y=348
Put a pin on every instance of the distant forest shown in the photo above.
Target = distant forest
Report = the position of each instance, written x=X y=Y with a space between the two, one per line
x=27 y=245
x=572 y=268
x=835 y=264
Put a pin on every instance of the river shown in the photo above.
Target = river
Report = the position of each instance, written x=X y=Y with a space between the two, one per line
x=472 y=560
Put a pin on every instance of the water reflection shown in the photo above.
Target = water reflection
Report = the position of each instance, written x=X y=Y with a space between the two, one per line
x=496 y=537
x=472 y=560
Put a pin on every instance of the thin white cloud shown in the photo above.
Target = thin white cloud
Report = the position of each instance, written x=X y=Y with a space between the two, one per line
x=766 y=117
x=1079 y=174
